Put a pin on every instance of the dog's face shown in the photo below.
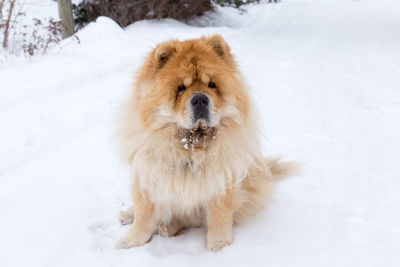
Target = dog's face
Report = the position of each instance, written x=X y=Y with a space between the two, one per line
x=192 y=85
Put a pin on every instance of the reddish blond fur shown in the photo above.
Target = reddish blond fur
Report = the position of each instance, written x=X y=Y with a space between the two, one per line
x=222 y=182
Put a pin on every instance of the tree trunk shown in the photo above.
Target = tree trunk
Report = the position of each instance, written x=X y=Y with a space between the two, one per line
x=65 y=13
x=7 y=23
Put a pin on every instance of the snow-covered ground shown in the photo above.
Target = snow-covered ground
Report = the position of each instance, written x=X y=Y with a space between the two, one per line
x=326 y=79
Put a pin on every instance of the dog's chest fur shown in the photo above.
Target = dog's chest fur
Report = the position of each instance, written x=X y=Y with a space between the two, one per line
x=182 y=179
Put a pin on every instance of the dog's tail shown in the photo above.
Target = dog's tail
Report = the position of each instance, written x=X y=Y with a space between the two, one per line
x=281 y=169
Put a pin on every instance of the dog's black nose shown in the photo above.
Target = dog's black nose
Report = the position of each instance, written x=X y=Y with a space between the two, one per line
x=199 y=101
x=200 y=107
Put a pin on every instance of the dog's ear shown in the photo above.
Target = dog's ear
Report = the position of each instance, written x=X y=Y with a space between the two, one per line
x=219 y=45
x=162 y=53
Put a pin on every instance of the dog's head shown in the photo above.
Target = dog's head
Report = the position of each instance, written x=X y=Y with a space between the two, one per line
x=194 y=86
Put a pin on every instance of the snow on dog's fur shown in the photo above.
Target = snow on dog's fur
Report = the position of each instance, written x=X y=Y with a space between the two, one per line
x=193 y=163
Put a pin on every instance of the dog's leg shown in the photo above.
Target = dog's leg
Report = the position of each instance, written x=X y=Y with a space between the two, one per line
x=127 y=216
x=144 y=225
x=220 y=221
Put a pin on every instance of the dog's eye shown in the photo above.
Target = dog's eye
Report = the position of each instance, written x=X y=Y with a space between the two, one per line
x=181 y=88
x=211 y=85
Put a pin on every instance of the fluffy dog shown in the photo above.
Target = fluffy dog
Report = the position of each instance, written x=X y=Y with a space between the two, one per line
x=188 y=132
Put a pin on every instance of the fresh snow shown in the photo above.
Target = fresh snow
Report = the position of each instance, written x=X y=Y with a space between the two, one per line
x=325 y=76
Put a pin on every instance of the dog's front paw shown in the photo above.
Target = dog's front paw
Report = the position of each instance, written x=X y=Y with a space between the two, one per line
x=218 y=245
x=129 y=242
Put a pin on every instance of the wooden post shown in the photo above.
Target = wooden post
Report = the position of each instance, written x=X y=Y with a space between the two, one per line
x=65 y=13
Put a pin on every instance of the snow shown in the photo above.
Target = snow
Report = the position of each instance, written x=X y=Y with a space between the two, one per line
x=325 y=78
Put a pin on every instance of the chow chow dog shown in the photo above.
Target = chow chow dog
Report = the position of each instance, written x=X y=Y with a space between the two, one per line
x=188 y=132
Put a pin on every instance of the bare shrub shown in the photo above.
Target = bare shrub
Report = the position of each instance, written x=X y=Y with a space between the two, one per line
x=125 y=12
x=28 y=39
x=41 y=36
